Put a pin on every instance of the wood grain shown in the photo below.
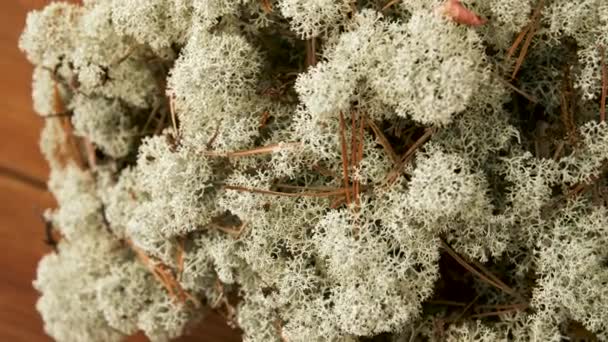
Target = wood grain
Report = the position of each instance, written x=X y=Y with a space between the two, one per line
x=21 y=228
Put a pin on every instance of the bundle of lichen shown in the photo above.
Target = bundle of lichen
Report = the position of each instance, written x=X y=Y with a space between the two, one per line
x=308 y=167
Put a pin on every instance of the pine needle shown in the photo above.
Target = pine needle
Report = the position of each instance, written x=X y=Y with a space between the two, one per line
x=383 y=141
x=266 y=6
x=72 y=148
x=389 y=4
x=530 y=35
x=604 y=85
x=488 y=277
x=344 y=157
x=165 y=276
x=254 y=151
x=496 y=313
x=518 y=40
x=287 y=194
x=519 y=91
x=394 y=174
x=91 y=155
x=181 y=251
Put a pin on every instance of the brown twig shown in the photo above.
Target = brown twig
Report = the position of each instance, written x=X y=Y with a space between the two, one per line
x=344 y=157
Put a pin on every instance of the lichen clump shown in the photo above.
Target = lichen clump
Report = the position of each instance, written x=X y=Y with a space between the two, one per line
x=324 y=170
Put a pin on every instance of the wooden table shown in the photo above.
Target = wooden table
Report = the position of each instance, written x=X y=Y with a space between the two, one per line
x=21 y=228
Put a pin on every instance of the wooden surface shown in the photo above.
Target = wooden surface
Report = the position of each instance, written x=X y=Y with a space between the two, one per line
x=21 y=229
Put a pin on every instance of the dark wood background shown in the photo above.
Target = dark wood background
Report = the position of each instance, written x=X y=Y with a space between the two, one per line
x=21 y=228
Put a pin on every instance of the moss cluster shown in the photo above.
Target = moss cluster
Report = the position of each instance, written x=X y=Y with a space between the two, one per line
x=322 y=170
